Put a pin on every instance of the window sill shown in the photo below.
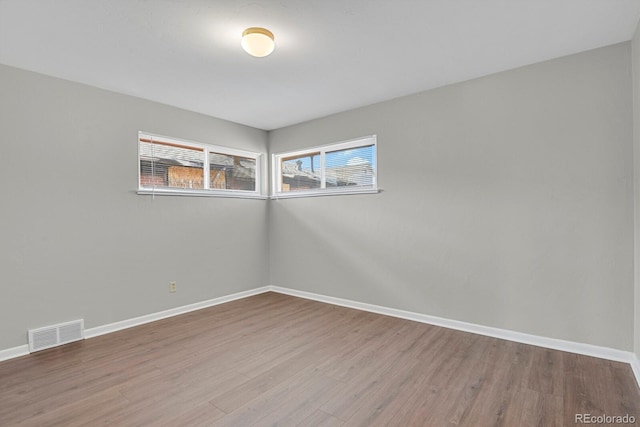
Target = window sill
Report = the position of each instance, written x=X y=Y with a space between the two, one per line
x=202 y=193
x=319 y=193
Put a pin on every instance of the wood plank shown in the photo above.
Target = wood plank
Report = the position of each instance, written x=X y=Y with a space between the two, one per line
x=320 y=419
x=288 y=403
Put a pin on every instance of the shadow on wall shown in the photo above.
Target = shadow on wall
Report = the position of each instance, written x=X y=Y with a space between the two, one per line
x=349 y=252
x=440 y=260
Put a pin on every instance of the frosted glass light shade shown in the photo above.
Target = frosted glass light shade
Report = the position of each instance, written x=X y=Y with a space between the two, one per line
x=257 y=41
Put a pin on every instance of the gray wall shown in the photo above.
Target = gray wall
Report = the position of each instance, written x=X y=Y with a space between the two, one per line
x=635 y=67
x=508 y=202
x=75 y=239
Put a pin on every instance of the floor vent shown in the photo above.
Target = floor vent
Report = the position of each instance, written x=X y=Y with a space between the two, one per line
x=55 y=335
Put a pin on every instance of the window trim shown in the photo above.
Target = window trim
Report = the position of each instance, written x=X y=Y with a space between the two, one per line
x=276 y=170
x=206 y=149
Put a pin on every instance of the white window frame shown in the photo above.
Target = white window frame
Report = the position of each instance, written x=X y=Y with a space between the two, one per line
x=206 y=191
x=276 y=175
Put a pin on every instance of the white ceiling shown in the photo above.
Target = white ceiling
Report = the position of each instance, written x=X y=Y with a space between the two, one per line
x=331 y=55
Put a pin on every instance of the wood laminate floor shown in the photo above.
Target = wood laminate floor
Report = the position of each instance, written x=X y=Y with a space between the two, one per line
x=273 y=359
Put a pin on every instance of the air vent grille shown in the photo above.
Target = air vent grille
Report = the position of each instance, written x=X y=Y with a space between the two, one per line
x=55 y=335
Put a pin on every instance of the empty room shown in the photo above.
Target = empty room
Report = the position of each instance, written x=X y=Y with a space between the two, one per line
x=319 y=213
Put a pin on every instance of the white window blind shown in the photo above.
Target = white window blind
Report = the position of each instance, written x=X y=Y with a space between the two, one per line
x=172 y=166
x=345 y=167
x=350 y=167
x=165 y=164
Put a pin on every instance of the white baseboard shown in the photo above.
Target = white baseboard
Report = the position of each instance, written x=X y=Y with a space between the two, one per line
x=124 y=324
x=635 y=366
x=10 y=353
x=552 y=343
x=23 y=350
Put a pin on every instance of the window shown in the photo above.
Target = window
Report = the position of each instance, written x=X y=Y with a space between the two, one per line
x=346 y=167
x=172 y=166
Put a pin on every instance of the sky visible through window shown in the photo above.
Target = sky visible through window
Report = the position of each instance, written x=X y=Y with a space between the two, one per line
x=349 y=157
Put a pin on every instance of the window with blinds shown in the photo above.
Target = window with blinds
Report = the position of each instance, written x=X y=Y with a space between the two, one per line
x=345 y=167
x=172 y=166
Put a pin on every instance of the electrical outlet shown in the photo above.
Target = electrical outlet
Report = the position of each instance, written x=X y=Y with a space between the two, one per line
x=172 y=286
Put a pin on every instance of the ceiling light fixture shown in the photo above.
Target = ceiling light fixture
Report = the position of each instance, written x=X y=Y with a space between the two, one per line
x=258 y=41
